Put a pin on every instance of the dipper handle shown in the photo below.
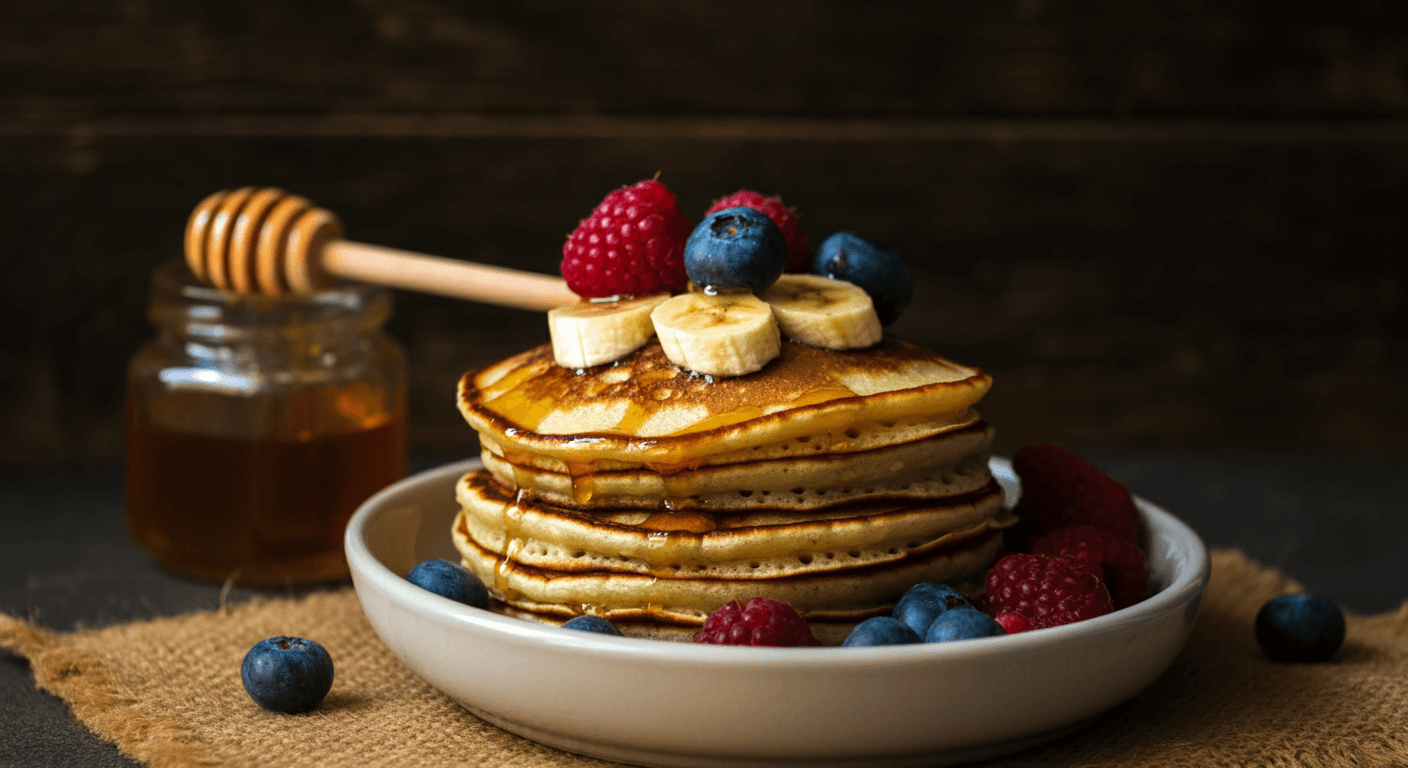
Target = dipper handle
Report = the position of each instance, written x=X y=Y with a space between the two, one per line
x=266 y=240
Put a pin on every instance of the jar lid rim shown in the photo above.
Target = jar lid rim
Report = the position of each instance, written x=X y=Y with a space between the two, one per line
x=179 y=299
x=174 y=277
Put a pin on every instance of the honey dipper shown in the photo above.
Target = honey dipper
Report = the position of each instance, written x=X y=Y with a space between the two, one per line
x=266 y=240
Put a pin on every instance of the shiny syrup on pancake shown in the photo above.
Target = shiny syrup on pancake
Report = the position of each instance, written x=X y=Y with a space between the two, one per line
x=513 y=542
x=529 y=411
x=530 y=397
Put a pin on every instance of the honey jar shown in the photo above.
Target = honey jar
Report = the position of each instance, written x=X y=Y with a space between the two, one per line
x=256 y=426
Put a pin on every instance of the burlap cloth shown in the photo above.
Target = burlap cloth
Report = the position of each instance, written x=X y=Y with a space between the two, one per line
x=167 y=692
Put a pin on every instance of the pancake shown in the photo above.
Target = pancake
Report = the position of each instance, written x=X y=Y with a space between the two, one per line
x=850 y=593
x=859 y=435
x=636 y=491
x=950 y=463
x=763 y=543
x=643 y=410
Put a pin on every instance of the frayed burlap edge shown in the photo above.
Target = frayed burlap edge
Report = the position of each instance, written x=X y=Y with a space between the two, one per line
x=84 y=682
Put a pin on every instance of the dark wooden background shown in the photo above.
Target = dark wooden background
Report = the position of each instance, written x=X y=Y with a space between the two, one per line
x=1172 y=226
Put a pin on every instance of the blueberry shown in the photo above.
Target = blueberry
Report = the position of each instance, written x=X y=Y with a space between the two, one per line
x=451 y=580
x=883 y=275
x=881 y=630
x=287 y=674
x=735 y=248
x=592 y=624
x=1300 y=628
x=923 y=603
x=962 y=624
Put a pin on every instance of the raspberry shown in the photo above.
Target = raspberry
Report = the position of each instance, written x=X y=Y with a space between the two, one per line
x=1060 y=490
x=799 y=249
x=1047 y=591
x=1121 y=564
x=631 y=245
x=763 y=621
x=1012 y=622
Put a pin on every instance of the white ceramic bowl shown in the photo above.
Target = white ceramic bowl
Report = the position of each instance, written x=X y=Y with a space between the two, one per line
x=675 y=704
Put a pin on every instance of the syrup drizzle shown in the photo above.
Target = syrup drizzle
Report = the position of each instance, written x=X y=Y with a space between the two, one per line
x=811 y=397
x=664 y=523
x=678 y=488
x=512 y=526
x=510 y=397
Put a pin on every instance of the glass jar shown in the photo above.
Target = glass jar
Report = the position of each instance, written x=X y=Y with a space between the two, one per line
x=256 y=425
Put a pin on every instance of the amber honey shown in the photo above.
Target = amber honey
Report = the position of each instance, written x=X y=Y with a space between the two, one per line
x=256 y=426
x=261 y=511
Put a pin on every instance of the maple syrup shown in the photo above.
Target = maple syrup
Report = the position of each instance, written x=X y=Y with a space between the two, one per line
x=512 y=543
x=257 y=425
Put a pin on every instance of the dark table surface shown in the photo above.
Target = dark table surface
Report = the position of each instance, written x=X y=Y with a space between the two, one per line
x=1338 y=525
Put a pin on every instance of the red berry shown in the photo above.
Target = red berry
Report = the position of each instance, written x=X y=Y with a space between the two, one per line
x=763 y=621
x=631 y=245
x=1121 y=563
x=799 y=249
x=1012 y=622
x=1059 y=490
x=1047 y=591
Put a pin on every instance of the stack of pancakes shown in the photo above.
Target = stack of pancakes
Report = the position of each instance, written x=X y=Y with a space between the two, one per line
x=636 y=491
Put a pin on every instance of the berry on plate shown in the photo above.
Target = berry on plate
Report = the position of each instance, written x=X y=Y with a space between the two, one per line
x=735 y=248
x=1300 y=628
x=287 y=674
x=922 y=603
x=962 y=624
x=799 y=248
x=451 y=580
x=762 y=621
x=631 y=245
x=1059 y=489
x=881 y=630
x=1047 y=591
x=1121 y=563
x=1012 y=622
x=882 y=274
x=588 y=623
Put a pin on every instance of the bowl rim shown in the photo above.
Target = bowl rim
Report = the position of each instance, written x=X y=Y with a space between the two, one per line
x=1186 y=586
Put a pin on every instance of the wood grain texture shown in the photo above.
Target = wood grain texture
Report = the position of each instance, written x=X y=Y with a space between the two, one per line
x=891 y=58
x=1158 y=225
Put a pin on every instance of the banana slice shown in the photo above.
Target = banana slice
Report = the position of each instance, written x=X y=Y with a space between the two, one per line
x=728 y=334
x=823 y=312
x=594 y=332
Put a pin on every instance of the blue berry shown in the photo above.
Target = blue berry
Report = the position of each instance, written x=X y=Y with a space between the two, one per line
x=592 y=624
x=962 y=624
x=1300 y=628
x=923 y=603
x=881 y=630
x=883 y=275
x=736 y=248
x=451 y=580
x=287 y=674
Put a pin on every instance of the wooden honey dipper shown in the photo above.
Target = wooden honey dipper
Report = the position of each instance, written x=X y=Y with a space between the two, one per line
x=266 y=240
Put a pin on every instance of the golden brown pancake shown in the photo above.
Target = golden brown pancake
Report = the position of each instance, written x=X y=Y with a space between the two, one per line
x=946 y=464
x=832 y=480
x=761 y=543
x=643 y=410
x=852 y=591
